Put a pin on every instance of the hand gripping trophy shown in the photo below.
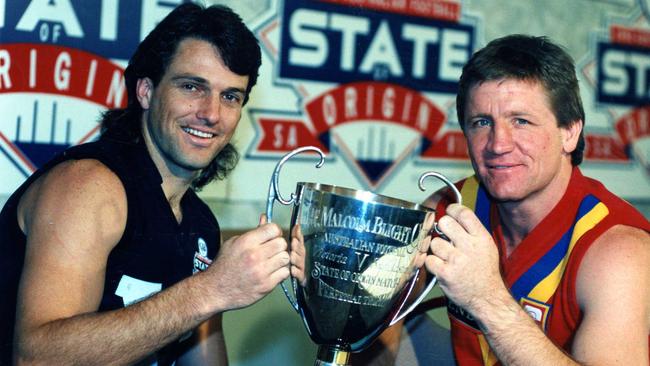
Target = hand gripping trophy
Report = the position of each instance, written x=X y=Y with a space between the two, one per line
x=362 y=256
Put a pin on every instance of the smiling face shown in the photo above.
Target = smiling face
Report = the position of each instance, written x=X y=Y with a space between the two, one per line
x=193 y=111
x=515 y=144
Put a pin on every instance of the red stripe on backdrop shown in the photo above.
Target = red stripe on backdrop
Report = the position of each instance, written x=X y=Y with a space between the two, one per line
x=433 y=9
x=49 y=69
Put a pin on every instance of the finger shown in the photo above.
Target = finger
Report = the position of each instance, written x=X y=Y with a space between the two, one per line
x=436 y=232
x=297 y=251
x=441 y=248
x=466 y=218
x=281 y=259
x=297 y=260
x=263 y=220
x=433 y=264
x=297 y=246
x=274 y=247
x=279 y=275
x=424 y=245
x=296 y=231
x=419 y=259
x=453 y=231
x=263 y=233
x=297 y=273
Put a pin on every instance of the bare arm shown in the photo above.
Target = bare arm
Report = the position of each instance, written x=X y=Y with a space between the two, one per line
x=73 y=218
x=613 y=290
x=512 y=334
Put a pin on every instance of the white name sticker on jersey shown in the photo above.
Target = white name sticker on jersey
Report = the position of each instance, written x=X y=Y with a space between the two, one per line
x=132 y=290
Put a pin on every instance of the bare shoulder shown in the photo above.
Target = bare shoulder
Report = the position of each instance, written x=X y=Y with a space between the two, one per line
x=73 y=216
x=75 y=195
x=620 y=244
x=613 y=292
x=620 y=258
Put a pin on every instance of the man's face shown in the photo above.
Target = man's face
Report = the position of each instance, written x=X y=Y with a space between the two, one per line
x=516 y=146
x=193 y=112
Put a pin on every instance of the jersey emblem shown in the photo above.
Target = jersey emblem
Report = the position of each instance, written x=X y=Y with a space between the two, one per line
x=201 y=260
x=539 y=311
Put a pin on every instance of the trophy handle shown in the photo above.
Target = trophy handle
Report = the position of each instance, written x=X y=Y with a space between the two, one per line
x=274 y=194
x=435 y=227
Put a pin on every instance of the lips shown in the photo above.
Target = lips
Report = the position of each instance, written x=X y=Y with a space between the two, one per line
x=501 y=166
x=197 y=133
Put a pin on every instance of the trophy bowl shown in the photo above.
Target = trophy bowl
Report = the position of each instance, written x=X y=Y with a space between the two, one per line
x=362 y=252
x=360 y=255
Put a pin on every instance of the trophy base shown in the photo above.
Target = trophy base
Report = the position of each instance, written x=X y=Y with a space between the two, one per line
x=331 y=356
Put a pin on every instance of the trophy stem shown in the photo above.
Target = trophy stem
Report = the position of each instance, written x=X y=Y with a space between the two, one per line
x=331 y=356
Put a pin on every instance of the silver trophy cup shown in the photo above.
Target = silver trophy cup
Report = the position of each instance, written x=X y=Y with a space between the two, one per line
x=360 y=257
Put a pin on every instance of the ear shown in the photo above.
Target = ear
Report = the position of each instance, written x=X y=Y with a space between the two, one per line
x=144 y=90
x=571 y=135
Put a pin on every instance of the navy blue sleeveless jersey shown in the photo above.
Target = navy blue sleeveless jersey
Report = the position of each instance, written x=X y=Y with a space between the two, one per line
x=154 y=252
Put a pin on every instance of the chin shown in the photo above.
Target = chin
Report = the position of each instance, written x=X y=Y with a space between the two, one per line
x=505 y=195
x=195 y=166
x=507 y=199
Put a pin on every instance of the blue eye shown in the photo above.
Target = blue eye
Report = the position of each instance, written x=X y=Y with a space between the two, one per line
x=521 y=121
x=483 y=122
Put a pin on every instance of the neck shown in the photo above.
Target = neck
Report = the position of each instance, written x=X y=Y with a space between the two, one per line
x=175 y=182
x=174 y=194
x=174 y=188
x=519 y=218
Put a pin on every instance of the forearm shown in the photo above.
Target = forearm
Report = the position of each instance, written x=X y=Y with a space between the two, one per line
x=513 y=335
x=116 y=337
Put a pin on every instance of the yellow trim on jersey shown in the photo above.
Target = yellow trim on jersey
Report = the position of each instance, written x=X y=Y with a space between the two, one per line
x=547 y=287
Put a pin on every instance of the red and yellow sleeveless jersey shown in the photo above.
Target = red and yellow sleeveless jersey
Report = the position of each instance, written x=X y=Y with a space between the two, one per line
x=541 y=272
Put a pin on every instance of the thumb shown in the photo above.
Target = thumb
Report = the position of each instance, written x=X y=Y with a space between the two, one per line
x=263 y=220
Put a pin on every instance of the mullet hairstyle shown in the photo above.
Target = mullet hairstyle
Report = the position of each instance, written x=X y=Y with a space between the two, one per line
x=219 y=26
x=534 y=59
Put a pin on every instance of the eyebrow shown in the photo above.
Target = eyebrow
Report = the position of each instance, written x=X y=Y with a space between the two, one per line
x=509 y=114
x=200 y=80
x=235 y=90
x=197 y=79
x=480 y=115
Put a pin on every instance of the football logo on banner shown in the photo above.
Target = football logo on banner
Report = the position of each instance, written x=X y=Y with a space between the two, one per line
x=61 y=65
x=360 y=71
x=619 y=80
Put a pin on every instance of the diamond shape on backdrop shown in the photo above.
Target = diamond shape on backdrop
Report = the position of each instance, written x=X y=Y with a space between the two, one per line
x=375 y=148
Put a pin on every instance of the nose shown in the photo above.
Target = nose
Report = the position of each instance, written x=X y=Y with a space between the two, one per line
x=501 y=139
x=209 y=110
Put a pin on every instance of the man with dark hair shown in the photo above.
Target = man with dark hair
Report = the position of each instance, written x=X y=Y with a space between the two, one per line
x=106 y=253
x=543 y=266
